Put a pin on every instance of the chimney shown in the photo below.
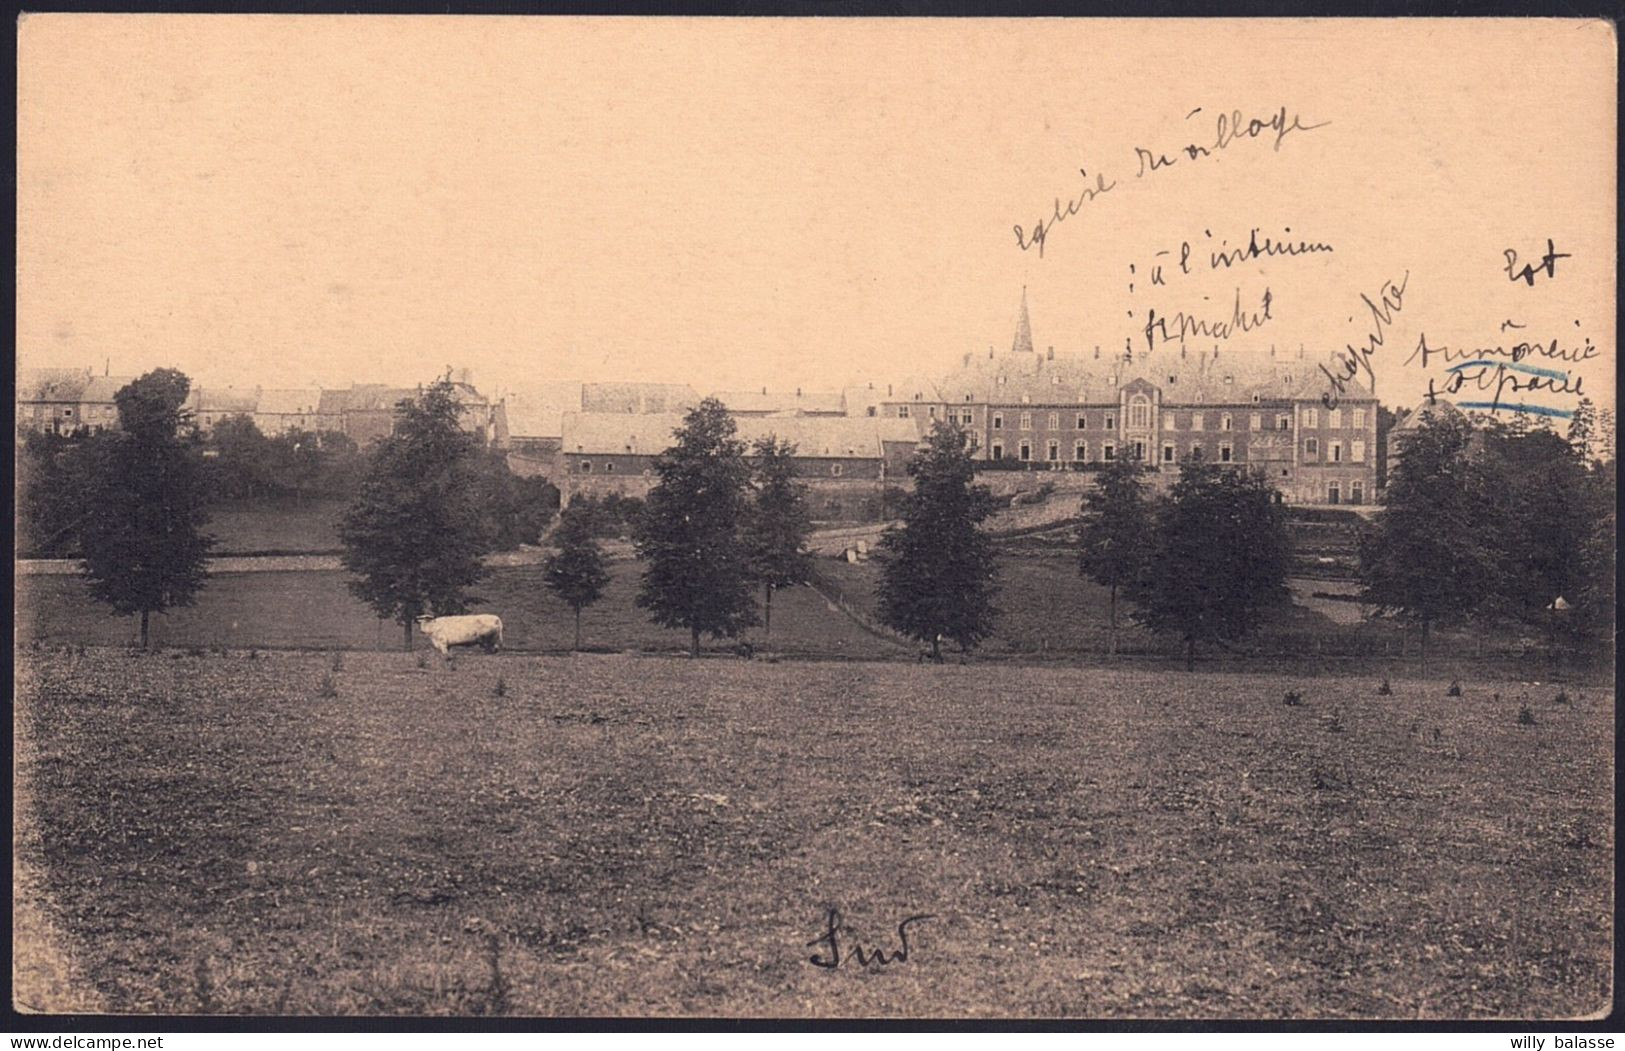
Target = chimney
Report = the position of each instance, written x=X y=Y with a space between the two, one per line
x=1097 y=351
x=798 y=392
x=1050 y=354
x=888 y=390
x=990 y=353
x=966 y=362
x=1181 y=352
x=1272 y=350
x=107 y=368
x=764 y=390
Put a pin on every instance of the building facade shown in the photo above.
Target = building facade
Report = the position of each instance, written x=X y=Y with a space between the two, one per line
x=1256 y=410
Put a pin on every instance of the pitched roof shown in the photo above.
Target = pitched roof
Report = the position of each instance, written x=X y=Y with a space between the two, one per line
x=52 y=384
x=297 y=402
x=1226 y=378
x=637 y=397
x=819 y=401
x=222 y=399
x=538 y=411
x=101 y=389
x=618 y=432
x=363 y=397
x=843 y=437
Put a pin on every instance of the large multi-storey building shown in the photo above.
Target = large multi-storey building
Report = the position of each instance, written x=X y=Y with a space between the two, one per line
x=1255 y=409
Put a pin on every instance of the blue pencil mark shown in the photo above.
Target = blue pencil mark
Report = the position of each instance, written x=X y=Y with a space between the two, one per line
x=1535 y=410
x=1531 y=369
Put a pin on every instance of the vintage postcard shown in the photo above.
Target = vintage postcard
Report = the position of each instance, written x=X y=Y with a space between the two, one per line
x=1004 y=519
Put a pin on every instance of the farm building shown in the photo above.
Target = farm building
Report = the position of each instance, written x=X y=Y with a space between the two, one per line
x=846 y=462
x=64 y=400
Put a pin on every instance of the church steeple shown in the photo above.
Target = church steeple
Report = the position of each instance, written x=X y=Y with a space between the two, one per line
x=1024 y=329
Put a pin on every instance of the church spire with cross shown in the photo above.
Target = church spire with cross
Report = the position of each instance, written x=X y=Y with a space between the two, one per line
x=1024 y=329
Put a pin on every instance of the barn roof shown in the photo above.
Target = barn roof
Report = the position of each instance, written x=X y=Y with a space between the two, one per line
x=842 y=437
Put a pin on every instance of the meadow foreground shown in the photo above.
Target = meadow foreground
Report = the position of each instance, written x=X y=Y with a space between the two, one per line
x=622 y=835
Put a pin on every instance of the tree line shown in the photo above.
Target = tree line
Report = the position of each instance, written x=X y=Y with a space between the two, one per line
x=1491 y=524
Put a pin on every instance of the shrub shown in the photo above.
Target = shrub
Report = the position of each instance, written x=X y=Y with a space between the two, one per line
x=338 y=662
x=196 y=651
x=1455 y=688
x=1385 y=690
x=500 y=689
x=1294 y=699
x=423 y=660
x=1334 y=721
x=253 y=654
x=328 y=687
x=1561 y=698
x=1525 y=716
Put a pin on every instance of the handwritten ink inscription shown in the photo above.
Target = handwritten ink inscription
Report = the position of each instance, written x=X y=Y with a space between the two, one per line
x=1181 y=325
x=1547 y=264
x=1229 y=129
x=1351 y=361
x=830 y=957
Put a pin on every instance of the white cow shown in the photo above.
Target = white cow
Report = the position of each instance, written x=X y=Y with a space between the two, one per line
x=478 y=629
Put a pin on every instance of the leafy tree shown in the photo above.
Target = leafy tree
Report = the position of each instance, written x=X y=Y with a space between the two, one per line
x=937 y=567
x=1429 y=559
x=696 y=574
x=414 y=537
x=516 y=510
x=1220 y=558
x=1583 y=429
x=241 y=467
x=144 y=547
x=51 y=472
x=1115 y=537
x=777 y=525
x=1592 y=613
x=576 y=571
x=1538 y=523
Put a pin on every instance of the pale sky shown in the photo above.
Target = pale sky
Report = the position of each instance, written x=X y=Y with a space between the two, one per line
x=285 y=200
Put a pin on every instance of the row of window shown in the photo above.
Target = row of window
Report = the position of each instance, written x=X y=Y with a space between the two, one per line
x=585 y=467
x=1140 y=417
x=1108 y=451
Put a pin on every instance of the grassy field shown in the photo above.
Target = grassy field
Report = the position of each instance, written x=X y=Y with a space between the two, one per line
x=315 y=610
x=287 y=526
x=623 y=835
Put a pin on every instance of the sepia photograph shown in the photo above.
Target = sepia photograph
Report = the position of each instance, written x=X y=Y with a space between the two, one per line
x=1005 y=519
